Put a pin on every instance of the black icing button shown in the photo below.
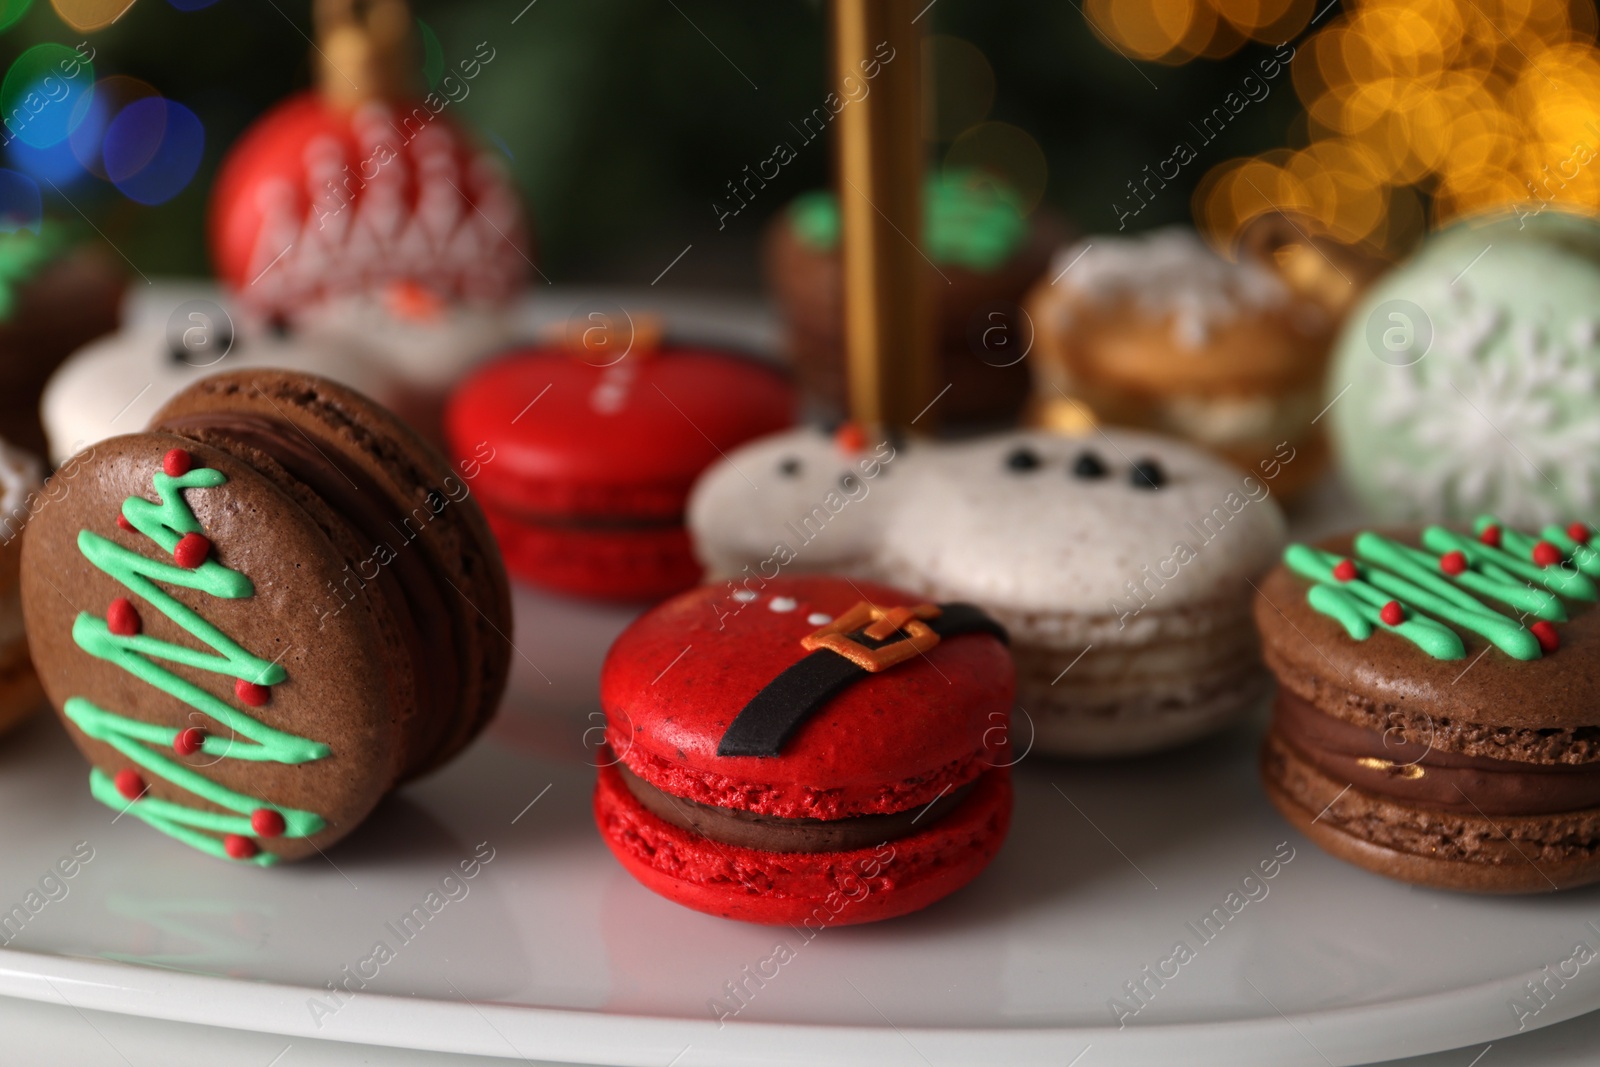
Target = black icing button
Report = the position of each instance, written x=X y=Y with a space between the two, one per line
x=1088 y=465
x=1022 y=459
x=1147 y=474
x=789 y=467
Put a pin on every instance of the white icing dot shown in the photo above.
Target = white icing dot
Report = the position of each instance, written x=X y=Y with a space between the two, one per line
x=783 y=603
x=744 y=596
x=817 y=618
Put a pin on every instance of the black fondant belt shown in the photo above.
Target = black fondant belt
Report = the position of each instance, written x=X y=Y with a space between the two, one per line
x=864 y=640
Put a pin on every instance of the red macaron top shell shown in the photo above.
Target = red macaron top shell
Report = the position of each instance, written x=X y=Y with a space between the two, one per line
x=566 y=437
x=895 y=740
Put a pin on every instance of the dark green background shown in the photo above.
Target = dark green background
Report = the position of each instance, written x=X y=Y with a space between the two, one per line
x=624 y=123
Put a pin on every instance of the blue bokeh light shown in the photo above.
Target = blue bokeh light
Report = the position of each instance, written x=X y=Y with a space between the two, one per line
x=152 y=149
x=21 y=206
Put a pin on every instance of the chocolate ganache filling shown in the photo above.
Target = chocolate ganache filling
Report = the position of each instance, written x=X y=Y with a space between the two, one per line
x=768 y=833
x=1409 y=769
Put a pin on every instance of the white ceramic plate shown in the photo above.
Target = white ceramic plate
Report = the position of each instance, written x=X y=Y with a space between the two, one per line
x=553 y=952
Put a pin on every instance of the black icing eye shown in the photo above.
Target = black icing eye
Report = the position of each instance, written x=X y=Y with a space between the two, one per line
x=278 y=325
x=789 y=467
x=1022 y=459
x=1147 y=474
x=1088 y=465
x=847 y=480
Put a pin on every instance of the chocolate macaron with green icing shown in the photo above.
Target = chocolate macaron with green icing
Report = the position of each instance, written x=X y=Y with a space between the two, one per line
x=1436 y=719
x=984 y=248
x=264 y=612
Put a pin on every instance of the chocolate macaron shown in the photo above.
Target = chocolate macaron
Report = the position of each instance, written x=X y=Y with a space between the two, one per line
x=265 y=611
x=822 y=751
x=1436 y=718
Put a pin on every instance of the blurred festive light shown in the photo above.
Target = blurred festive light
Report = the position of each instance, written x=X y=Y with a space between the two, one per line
x=962 y=83
x=21 y=206
x=1466 y=106
x=54 y=164
x=432 y=54
x=90 y=14
x=1176 y=31
x=110 y=96
x=1009 y=153
x=11 y=11
x=41 y=91
x=152 y=149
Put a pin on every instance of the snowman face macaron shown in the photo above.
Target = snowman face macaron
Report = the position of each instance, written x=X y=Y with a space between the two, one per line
x=114 y=385
x=801 y=501
x=1121 y=563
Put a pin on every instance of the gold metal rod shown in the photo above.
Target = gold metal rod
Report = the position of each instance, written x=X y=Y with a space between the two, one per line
x=880 y=173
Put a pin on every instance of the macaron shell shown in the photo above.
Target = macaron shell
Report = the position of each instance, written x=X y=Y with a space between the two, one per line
x=799 y=489
x=1044 y=541
x=625 y=440
x=674 y=681
x=350 y=429
x=1541 y=709
x=806 y=888
x=641 y=563
x=1508 y=851
x=339 y=690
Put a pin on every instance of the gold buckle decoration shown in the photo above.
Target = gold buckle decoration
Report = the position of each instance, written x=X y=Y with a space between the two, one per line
x=879 y=624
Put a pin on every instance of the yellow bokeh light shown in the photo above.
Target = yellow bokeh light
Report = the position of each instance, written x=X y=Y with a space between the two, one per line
x=1417 y=111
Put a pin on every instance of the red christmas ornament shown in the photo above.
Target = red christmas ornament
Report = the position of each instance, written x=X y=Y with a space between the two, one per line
x=129 y=784
x=1393 y=614
x=251 y=693
x=239 y=847
x=318 y=200
x=266 y=822
x=1345 y=570
x=1580 y=533
x=1490 y=536
x=191 y=550
x=1453 y=563
x=1549 y=640
x=122 y=618
x=188 y=741
x=1546 y=554
x=177 y=463
x=122 y=521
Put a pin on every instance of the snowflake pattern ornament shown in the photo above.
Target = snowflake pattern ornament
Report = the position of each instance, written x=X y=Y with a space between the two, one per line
x=1497 y=410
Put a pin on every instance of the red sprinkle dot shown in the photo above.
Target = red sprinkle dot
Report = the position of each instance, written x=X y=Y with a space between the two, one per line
x=251 y=693
x=239 y=847
x=129 y=784
x=1580 y=533
x=188 y=741
x=1393 y=613
x=266 y=822
x=1453 y=562
x=191 y=550
x=122 y=521
x=1345 y=571
x=177 y=463
x=1546 y=555
x=1490 y=536
x=122 y=618
x=1549 y=640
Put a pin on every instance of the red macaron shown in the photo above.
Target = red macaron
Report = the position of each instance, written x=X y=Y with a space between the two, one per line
x=807 y=750
x=583 y=458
